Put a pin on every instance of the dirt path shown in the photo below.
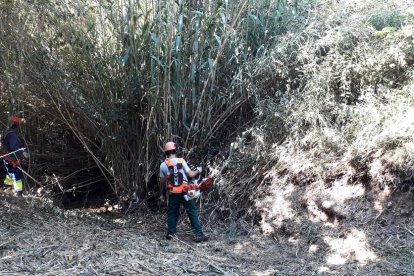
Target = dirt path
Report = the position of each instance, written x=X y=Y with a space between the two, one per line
x=38 y=239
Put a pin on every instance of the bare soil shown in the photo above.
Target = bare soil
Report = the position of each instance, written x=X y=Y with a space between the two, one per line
x=37 y=238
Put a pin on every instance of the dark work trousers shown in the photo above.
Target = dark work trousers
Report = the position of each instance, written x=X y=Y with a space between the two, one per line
x=14 y=173
x=174 y=202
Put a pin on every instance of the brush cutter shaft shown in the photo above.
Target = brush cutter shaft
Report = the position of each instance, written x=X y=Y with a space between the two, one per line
x=13 y=152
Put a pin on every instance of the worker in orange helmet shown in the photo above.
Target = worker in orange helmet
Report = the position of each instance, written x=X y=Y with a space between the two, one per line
x=173 y=174
x=12 y=152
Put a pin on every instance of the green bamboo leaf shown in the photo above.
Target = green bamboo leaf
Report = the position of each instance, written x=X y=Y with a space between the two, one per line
x=209 y=114
x=155 y=39
x=135 y=17
x=210 y=64
x=145 y=27
x=193 y=95
x=255 y=19
x=177 y=43
x=223 y=18
x=196 y=12
x=193 y=71
x=259 y=49
x=180 y=23
x=125 y=58
x=218 y=39
x=160 y=63
x=204 y=64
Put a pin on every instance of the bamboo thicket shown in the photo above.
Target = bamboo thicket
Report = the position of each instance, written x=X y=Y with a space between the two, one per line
x=125 y=76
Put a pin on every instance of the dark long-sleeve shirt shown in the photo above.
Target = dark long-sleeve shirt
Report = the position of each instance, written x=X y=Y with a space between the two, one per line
x=12 y=142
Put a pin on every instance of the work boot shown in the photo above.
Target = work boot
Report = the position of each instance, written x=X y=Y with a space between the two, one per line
x=201 y=238
x=18 y=194
x=5 y=187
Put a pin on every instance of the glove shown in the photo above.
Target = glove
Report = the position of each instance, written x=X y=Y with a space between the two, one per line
x=194 y=187
x=25 y=154
x=199 y=169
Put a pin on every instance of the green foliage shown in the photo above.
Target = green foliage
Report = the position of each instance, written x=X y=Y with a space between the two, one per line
x=337 y=75
x=385 y=31
x=387 y=18
x=126 y=76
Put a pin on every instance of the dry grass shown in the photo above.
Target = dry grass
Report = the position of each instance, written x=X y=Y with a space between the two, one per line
x=37 y=238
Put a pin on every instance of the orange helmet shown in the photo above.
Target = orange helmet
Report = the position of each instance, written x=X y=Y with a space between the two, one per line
x=15 y=120
x=170 y=146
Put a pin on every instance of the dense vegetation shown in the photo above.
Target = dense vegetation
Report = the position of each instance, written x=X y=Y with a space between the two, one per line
x=123 y=77
x=240 y=85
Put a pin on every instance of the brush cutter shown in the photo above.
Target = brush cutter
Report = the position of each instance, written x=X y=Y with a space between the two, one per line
x=195 y=190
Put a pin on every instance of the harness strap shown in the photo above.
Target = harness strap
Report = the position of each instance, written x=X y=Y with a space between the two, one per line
x=169 y=163
x=181 y=186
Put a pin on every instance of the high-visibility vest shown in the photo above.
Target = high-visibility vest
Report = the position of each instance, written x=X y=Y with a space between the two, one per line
x=176 y=183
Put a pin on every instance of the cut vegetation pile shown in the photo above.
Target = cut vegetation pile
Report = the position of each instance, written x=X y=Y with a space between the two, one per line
x=39 y=239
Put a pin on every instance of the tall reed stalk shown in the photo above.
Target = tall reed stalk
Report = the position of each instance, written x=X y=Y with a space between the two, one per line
x=125 y=76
